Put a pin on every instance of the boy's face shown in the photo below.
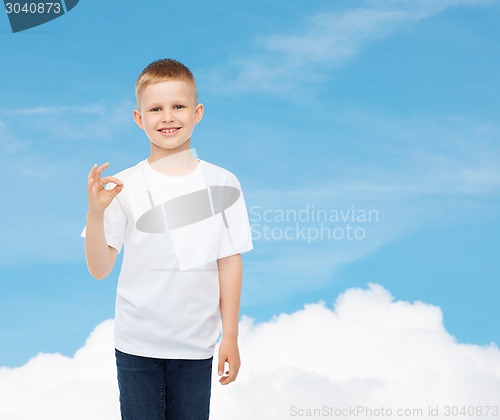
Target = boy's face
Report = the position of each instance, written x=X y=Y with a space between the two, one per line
x=168 y=113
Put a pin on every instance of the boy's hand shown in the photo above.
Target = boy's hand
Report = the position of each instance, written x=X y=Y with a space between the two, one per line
x=99 y=197
x=228 y=352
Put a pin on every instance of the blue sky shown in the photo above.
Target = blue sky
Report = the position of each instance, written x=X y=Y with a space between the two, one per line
x=388 y=105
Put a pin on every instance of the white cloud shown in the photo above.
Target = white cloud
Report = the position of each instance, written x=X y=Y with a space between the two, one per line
x=62 y=124
x=424 y=8
x=291 y=64
x=94 y=109
x=53 y=387
x=368 y=350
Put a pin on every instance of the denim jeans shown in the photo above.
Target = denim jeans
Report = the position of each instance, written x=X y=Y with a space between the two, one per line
x=163 y=389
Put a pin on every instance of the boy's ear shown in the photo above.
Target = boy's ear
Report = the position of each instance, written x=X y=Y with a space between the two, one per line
x=199 y=113
x=138 y=118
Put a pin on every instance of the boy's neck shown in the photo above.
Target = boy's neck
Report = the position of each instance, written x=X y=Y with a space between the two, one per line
x=175 y=164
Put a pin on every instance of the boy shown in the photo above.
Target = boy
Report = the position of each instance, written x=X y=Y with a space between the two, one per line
x=184 y=225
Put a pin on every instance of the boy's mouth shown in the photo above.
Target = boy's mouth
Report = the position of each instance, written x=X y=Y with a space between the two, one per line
x=170 y=130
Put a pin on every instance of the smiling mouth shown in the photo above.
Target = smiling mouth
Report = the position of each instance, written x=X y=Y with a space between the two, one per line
x=169 y=130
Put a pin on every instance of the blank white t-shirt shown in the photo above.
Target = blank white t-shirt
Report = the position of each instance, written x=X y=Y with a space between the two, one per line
x=173 y=230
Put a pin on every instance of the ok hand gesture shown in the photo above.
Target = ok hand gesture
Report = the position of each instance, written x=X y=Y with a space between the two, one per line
x=99 y=197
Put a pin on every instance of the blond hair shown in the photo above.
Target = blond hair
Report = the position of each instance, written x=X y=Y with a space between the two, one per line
x=163 y=70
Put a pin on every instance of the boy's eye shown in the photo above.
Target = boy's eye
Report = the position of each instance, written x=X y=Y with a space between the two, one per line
x=155 y=109
x=178 y=106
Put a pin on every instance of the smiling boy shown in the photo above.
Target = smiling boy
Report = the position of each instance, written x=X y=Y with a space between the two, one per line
x=184 y=225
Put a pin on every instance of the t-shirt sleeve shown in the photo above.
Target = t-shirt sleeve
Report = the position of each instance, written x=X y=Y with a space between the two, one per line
x=236 y=237
x=115 y=222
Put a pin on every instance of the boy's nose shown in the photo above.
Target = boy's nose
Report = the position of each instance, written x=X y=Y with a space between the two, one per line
x=167 y=117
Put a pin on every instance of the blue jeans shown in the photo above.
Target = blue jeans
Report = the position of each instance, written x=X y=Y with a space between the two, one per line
x=163 y=389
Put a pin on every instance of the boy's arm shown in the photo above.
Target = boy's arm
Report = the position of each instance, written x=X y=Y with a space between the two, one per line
x=99 y=255
x=230 y=274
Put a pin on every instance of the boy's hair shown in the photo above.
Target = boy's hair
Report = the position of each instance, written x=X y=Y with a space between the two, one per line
x=163 y=70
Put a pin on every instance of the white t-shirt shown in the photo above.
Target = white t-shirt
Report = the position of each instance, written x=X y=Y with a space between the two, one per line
x=174 y=229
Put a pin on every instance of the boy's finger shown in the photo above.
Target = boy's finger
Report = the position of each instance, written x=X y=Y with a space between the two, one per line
x=101 y=168
x=232 y=375
x=220 y=368
x=91 y=173
x=112 y=179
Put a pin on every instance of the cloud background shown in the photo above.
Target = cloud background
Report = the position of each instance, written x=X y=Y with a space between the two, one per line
x=368 y=351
